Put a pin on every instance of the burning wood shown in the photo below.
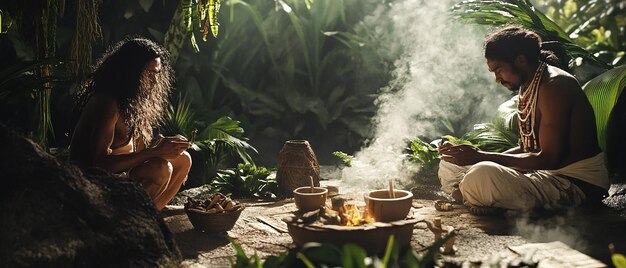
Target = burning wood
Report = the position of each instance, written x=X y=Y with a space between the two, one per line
x=342 y=213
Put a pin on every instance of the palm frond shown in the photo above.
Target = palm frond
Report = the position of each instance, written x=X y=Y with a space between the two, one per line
x=522 y=12
x=179 y=118
x=494 y=136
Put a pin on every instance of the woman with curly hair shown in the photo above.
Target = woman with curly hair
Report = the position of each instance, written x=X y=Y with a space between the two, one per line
x=122 y=101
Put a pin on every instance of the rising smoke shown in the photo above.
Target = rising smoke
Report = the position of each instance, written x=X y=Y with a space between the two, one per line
x=565 y=227
x=441 y=75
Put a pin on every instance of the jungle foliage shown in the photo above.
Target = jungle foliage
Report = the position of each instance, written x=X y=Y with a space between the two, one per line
x=246 y=181
x=315 y=254
x=310 y=76
x=220 y=144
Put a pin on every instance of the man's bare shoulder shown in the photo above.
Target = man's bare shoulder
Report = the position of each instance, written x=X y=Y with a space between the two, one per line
x=560 y=82
x=559 y=90
x=557 y=76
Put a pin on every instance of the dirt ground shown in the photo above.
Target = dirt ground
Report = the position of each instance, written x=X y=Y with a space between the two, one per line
x=479 y=238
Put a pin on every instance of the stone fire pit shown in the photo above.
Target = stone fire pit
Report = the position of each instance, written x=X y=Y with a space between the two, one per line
x=372 y=236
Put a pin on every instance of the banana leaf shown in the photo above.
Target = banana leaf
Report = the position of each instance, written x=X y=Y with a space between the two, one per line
x=603 y=92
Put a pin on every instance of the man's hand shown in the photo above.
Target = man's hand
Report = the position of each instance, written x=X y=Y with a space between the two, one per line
x=443 y=146
x=461 y=155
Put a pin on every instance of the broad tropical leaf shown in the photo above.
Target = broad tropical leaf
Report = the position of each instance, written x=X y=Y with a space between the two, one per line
x=603 y=92
x=231 y=134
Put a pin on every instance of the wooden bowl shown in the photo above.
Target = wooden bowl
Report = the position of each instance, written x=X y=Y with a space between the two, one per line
x=386 y=209
x=213 y=222
x=307 y=200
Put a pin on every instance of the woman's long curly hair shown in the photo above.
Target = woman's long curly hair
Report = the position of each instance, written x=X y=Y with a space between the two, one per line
x=121 y=73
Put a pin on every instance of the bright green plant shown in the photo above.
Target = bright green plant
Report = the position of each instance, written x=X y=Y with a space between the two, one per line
x=594 y=25
x=246 y=180
x=421 y=152
x=424 y=153
x=494 y=136
x=603 y=92
x=220 y=143
x=5 y=22
x=344 y=158
x=229 y=133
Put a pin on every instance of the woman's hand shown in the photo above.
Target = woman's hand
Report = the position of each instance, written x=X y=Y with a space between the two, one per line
x=170 y=148
x=461 y=155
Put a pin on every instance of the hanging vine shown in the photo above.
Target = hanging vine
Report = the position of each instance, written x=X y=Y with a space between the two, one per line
x=190 y=17
x=87 y=32
x=45 y=44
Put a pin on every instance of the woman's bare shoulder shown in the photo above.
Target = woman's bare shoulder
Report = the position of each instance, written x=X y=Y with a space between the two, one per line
x=102 y=104
x=102 y=99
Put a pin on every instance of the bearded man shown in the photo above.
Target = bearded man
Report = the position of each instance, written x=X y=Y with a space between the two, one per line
x=558 y=161
x=121 y=103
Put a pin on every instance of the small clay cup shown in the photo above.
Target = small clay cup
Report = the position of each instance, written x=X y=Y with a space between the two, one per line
x=307 y=200
x=386 y=209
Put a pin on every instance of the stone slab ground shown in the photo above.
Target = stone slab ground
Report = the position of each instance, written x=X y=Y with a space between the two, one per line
x=479 y=238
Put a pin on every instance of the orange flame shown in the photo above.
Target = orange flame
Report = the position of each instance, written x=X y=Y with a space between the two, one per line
x=355 y=216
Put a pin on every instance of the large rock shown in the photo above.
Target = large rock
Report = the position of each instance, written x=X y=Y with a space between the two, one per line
x=54 y=215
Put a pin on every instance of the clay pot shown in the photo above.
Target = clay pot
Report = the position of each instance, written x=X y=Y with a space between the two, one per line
x=307 y=200
x=297 y=163
x=386 y=209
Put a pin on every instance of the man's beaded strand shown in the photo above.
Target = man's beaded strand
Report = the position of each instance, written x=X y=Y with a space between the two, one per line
x=526 y=111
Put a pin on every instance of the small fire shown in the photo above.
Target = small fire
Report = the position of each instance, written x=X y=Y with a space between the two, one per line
x=351 y=215
x=355 y=217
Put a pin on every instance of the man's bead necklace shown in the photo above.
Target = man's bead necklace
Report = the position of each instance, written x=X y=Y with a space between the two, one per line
x=526 y=111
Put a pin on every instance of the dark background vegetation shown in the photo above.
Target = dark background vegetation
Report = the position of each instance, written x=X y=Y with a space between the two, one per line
x=296 y=69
